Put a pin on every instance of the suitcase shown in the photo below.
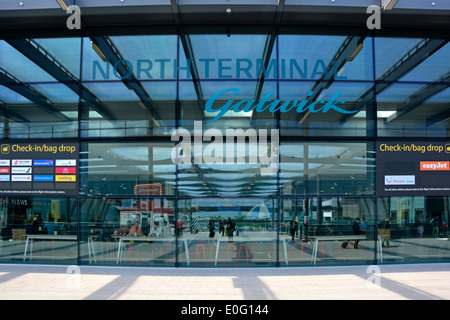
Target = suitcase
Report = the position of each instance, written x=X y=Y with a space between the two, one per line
x=344 y=244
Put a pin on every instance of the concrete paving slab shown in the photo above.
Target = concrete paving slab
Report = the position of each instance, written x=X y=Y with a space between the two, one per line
x=385 y=282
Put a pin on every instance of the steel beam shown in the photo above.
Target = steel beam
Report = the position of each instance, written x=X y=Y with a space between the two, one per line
x=114 y=57
x=31 y=94
x=52 y=66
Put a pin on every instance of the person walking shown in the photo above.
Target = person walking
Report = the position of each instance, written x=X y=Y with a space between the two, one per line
x=231 y=227
x=293 y=227
x=357 y=231
x=211 y=227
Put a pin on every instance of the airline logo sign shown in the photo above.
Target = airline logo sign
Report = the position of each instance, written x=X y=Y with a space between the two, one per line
x=66 y=163
x=43 y=178
x=43 y=163
x=434 y=165
x=21 y=162
x=400 y=180
x=21 y=170
x=5 y=170
x=65 y=178
x=21 y=178
x=66 y=170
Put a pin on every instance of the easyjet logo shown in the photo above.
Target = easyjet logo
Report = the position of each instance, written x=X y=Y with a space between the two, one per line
x=434 y=165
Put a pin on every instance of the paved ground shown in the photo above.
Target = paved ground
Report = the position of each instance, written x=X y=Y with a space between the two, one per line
x=413 y=282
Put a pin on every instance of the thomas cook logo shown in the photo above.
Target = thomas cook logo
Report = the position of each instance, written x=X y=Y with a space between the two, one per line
x=5 y=148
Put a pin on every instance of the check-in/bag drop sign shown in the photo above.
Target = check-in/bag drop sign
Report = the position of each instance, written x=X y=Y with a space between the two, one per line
x=419 y=168
x=29 y=168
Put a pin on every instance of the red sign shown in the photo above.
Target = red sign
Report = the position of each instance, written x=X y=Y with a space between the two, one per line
x=5 y=170
x=151 y=189
x=65 y=170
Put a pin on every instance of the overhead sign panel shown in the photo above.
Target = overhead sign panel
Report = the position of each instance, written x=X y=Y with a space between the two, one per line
x=413 y=168
x=29 y=168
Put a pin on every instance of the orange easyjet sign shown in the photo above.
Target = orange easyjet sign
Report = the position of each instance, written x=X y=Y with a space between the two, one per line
x=434 y=165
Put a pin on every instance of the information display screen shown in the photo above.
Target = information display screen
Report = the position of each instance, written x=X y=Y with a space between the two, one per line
x=29 y=168
x=413 y=168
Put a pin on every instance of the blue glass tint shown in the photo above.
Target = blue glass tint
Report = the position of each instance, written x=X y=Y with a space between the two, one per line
x=145 y=57
x=326 y=168
x=126 y=165
x=390 y=51
x=324 y=108
x=233 y=100
x=141 y=109
x=227 y=57
x=303 y=57
x=51 y=112
x=64 y=51
x=434 y=68
x=413 y=109
x=19 y=67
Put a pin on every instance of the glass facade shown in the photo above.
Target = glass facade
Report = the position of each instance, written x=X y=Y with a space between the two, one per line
x=152 y=115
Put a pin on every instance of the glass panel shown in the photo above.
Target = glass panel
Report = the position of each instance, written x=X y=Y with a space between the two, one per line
x=137 y=231
x=325 y=231
x=121 y=168
x=320 y=109
x=234 y=102
x=64 y=51
x=317 y=57
x=413 y=229
x=390 y=51
x=326 y=168
x=38 y=230
x=433 y=68
x=20 y=67
x=228 y=232
x=145 y=109
x=413 y=110
x=39 y=111
x=234 y=56
x=236 y=164
x=146 y=57
x=152 y=57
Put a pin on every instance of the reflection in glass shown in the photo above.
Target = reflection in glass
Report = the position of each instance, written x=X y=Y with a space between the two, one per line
x=229 y=232
x=30 y=114
x=326 y=168
x=39 y=230
x=413 y=229
x=324 y=109
x=412 y=109
x=117 y=168
x=316 y=229
x=131 y=231
x=123 y=112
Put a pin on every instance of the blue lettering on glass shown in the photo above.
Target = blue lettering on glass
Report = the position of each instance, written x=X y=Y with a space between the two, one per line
x=273 y=106
x=212 y=68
